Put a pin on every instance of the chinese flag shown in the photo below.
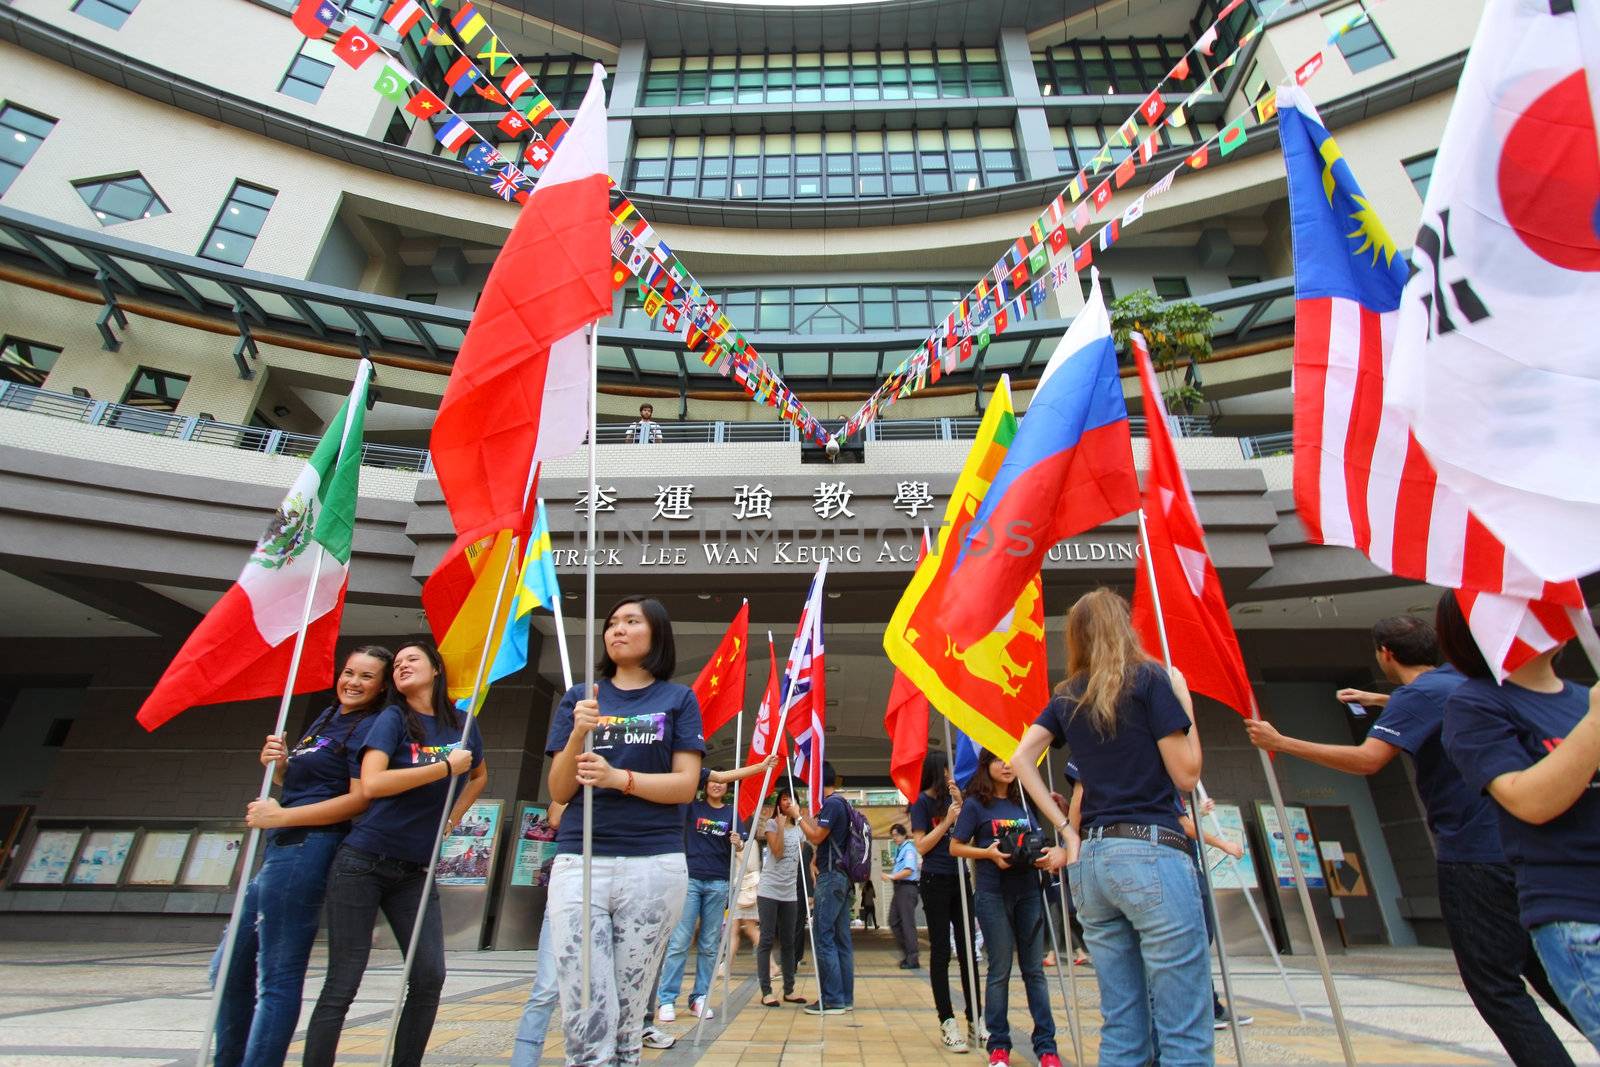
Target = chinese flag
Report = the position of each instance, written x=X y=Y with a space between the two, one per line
x=1199 y=632
x=720 y=686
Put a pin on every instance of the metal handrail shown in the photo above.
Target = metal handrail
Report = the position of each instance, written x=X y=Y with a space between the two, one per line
x=1263 y=445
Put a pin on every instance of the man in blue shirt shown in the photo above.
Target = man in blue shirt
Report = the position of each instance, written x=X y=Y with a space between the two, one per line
x=1477 y=890
x=829 y=833
x=903 y=905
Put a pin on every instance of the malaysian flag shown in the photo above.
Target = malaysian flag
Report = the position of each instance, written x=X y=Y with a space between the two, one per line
x=1360 y=478
x=804 y=693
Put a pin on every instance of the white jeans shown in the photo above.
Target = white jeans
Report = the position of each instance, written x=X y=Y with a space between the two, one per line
x=636 y=902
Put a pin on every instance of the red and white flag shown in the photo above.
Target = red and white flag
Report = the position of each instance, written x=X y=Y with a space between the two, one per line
x=1199 y=632
x=805 y=702
x=766 y=736
x=1493 y=360
x=519 y=391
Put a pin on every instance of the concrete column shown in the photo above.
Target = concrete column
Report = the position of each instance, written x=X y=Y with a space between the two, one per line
x=624 y=96
x=1033 y=129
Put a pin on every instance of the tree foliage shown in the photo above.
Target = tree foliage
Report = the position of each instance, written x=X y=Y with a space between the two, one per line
x=1178 y=335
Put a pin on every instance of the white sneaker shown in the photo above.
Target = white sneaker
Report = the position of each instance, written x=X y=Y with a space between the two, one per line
x=666 y=1013
x=700 y=1009
x=950 y=1030
x=654 y=1038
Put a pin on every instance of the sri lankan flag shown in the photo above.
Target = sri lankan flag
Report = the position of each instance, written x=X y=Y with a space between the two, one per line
x=994 y=688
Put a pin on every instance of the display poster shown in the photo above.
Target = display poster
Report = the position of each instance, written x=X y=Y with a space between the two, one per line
x=1305 y=845
x=215 y=855
x=101 y=861
x=1226 y=873
x=51 y=856
x=536 y=847
x=467 y=852
x=159 y=858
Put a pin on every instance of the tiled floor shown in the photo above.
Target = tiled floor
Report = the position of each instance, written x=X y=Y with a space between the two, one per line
x=135 y=1004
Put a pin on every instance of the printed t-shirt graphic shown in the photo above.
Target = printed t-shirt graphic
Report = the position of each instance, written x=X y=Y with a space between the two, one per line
x=323 y=762
x=639 y=731
x=938 y=860
x=982 y=823
x=707 y=842
x=403 y=825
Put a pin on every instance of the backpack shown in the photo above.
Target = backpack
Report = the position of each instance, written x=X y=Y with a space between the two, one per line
x=855 y=857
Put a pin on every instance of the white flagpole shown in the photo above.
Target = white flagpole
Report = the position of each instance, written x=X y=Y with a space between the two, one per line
x=586 y=950
x=230 y=937
x=1050 y=924
x=974 y=1001
x=805 y=902
x=479 y=684
x=1066 y=940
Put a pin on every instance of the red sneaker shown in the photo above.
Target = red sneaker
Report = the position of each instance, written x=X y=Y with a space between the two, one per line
x=1049 y=1059
x=1000 y=1057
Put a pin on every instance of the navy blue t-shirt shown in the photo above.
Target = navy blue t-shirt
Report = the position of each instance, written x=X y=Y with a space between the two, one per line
x=1466 y=828
x=1124 y=779
x=639 y=731
x=938 y=859
x=403 y=825
x=980 y=824
x=708 y=847
x=324 y=761
x=1490 y=730
x=834 y=817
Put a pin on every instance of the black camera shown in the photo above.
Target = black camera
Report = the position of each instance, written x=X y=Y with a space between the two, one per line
x=1023 y=848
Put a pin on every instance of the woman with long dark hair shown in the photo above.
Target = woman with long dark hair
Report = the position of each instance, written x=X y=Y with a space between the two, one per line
x=319 y=793
x=1010 y=904
x=777 y=896
x=644 y=766
x=933 y=813
x=1533 y=744
x=1129 y=725
x=411 y=755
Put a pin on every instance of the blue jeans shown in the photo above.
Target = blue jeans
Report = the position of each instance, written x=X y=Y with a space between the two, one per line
x=542 y=1000
x=707 y=899
x=282 y=910
x=836 y=963
x=1015 y=920
x=1140 y=909
x=1570 y=953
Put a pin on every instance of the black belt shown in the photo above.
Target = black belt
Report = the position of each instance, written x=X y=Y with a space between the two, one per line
x=1135 y=831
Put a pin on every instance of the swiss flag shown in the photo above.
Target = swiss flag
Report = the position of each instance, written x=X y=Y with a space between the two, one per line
x=513 y=124
x=1198 y=631
x=519 y=391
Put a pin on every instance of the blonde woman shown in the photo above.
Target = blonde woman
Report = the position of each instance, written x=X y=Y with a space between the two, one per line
x=1129 y=726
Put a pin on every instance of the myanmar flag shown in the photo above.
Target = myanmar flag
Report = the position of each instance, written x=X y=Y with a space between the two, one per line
x=241 y=649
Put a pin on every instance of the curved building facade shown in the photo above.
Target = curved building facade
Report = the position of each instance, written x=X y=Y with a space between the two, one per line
x=206 y=218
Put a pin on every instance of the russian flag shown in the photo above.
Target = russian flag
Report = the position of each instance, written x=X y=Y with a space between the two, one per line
x=1069 y=469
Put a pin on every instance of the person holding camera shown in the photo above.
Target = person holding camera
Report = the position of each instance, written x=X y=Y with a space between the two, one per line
x=996 y=830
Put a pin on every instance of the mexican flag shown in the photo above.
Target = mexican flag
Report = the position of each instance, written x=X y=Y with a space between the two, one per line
x=241 y=650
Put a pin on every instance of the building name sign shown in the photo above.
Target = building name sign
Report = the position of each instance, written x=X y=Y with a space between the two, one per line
x=730 y=555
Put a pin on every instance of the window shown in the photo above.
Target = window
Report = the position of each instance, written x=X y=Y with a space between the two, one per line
x=1172 y=288
x=1363 y=46
x=306 y=76
x=423 y=298
x=813 y=77
x=1103 y=67
x=21 y=133
x=1108 y=292
x=1076 y=145
x=1256 y=83
x=156 y=390
x=562 y=79
x=833 y=309
x=26 y=362
x=238 y=224
x=1419 y=170
x=1239 y=281
x=111 y=13
x=120 y=199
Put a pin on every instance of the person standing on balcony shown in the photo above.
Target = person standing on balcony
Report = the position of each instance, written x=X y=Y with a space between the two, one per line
x=646 y=431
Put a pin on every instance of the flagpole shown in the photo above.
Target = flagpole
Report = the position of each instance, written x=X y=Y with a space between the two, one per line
x=805 y=902
x=479 y=684
x=561 y=626
x=1066 y=938
x=974 y=1001
x=1207 y=900
x=586 y=951
x=733 y=885
x=1255 y=912
x=1066 y=950
x=230 y=937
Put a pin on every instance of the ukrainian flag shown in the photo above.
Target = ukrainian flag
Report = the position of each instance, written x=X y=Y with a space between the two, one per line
x=535 y=587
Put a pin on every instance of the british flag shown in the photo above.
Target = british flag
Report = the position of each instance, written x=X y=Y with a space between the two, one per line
x=805 y=701
x=508 y=181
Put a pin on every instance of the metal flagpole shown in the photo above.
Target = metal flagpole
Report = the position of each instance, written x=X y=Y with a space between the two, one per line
x=1283 y=823
x=586 y=950
x=1050 y=923
x=974 y=1002
x=1250 y=899
x=230 y=937
x=467 y=717
x=1066 y=936
x=744 y=866
x=733 y=883
x=1166 y=657
x=1209 y=901
x=805 y=902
